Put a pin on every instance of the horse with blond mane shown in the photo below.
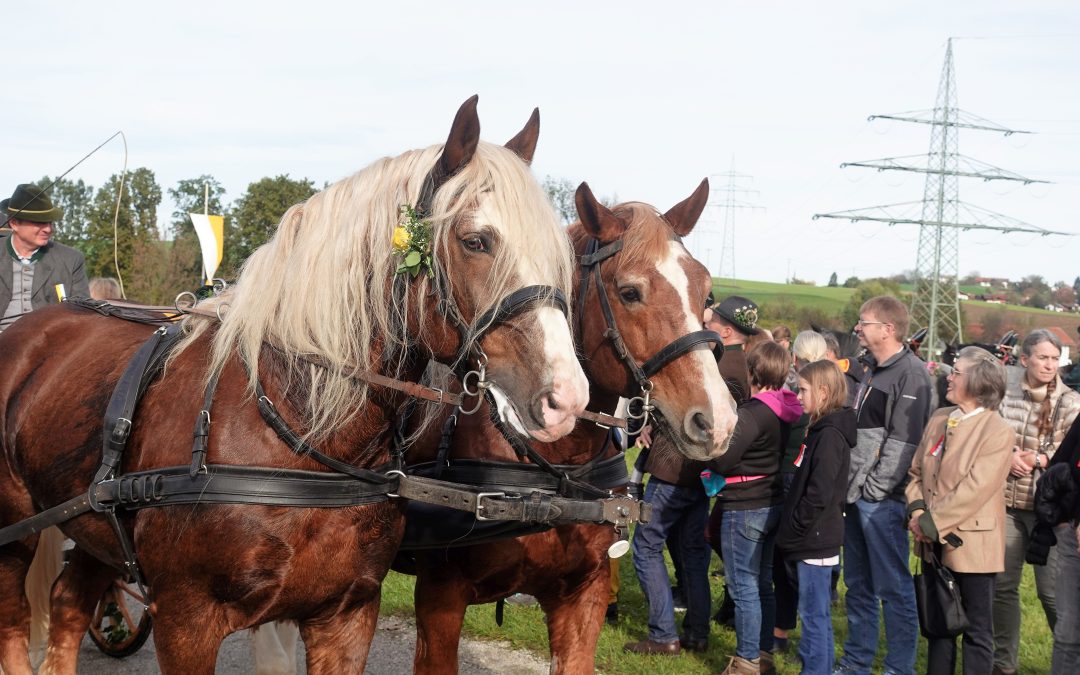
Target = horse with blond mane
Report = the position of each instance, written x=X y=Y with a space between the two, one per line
x=641 y=315
x=321 y=324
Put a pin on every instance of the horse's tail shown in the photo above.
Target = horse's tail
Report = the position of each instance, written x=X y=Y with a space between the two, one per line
x=48 y=561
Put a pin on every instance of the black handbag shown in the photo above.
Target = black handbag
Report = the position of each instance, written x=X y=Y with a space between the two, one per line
x=937 y=596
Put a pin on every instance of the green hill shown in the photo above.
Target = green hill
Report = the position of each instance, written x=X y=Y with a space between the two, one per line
x=796 y=305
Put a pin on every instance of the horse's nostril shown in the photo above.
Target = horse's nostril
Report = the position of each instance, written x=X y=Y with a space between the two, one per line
x=552 y=402
x=698 y=426
x=702 y=422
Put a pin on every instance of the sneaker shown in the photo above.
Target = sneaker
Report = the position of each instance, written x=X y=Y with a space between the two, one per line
x=740 y=666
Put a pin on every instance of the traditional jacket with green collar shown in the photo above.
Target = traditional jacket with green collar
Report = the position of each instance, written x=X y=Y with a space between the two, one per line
x=57 y=264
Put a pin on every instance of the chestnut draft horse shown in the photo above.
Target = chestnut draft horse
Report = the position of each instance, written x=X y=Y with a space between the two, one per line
x=656 y=292
x=315 y=306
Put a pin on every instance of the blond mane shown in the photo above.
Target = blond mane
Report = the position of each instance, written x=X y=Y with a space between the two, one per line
x=322 y=285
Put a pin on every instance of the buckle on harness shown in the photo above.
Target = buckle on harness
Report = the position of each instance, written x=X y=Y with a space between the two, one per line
x=479 y=506
x=121 y=431
x=622 y=510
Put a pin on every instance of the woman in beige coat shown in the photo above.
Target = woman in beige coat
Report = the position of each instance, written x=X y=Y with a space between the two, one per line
x=955 y=502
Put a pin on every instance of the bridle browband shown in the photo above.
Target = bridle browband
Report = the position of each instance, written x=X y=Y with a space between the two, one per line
x=590 y=262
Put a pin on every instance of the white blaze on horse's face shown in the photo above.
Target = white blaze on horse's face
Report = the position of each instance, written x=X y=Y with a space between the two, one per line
x=715 y=421
x=562 y=385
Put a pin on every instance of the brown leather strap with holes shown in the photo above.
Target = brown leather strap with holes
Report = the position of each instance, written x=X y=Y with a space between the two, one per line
x=432 y=394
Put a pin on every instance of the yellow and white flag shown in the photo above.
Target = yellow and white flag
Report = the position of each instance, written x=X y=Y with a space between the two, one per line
x=211 y=231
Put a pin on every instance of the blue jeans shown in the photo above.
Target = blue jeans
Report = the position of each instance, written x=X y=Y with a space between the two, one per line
x=686 y=508
x=815 y=604
x=1066 y=660
x=746 y=542
x=878 y=582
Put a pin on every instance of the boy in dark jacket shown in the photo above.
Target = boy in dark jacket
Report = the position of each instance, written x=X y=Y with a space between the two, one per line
x=812 y=523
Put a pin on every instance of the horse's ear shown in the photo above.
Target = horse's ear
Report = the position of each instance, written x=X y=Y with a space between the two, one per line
x=683 y=216
x=524 y=144
x=463 y=139
x=598 y=220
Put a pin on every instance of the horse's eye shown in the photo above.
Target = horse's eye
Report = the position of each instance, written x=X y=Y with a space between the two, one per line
x=629 y=294
x=475 y=243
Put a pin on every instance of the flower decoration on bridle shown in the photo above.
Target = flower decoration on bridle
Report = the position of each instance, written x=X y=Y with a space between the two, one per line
x=412 y=241
x=746 y=316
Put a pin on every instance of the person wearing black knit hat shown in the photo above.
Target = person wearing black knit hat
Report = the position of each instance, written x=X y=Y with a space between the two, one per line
x=40 y=271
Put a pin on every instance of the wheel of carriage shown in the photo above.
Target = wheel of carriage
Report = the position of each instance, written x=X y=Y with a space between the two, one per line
x=121 y=622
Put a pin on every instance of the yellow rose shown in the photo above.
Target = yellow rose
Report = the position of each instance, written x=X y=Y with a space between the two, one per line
x=401 y=238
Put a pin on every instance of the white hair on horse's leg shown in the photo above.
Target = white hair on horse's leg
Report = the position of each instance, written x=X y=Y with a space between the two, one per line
x=274 y=647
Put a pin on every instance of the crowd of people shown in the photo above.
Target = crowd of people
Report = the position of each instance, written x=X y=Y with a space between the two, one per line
x=833 y=459
x=851 y=464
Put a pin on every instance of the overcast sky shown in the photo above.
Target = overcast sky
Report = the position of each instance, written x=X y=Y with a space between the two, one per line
x=641 y=99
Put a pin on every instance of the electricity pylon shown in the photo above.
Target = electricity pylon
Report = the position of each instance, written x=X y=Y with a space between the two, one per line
x=935 y=302
x=724 y=199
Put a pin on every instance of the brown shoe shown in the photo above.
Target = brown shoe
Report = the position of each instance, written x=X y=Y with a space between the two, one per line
x=740 y=666
x=649 y=647
x=767 y=665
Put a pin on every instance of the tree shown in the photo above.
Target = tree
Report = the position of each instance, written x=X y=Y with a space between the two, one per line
x=74 y=197
x=1076 y=285
x=189 y=196
x=863 y=292
x=851 y=282
x=136 y=220
x=561 y=193
x=1064 y=294
x=255 y=216
x=832 y=280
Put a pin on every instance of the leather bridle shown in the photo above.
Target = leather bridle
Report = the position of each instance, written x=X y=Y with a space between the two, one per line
x=590 y=263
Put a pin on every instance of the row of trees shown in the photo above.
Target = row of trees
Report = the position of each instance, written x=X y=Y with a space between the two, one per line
x=155 y=265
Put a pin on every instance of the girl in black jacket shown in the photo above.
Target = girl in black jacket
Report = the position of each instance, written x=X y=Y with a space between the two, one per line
x=812 y=524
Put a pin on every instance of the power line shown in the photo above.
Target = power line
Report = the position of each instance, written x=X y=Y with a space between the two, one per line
x=941 y=215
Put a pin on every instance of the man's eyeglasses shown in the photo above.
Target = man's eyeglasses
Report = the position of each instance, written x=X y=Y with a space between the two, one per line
x=860 y=323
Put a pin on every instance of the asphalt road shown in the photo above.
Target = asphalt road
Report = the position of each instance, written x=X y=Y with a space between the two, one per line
x=391 y=653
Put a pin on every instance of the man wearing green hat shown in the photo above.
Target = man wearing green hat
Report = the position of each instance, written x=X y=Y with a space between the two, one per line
x=36 y=271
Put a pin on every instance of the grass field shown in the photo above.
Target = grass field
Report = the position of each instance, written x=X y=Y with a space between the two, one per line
x=825 y=298
x=793 y=304
x=524 y=627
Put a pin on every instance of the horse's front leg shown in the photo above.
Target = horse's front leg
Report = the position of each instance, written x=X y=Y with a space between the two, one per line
x=188 y=630
x=574 y=622
x=440 y=612
x=74 y=597
x=340 y=644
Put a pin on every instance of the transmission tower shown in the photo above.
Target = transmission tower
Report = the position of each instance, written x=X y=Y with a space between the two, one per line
x=941 y=215
x=726 y=200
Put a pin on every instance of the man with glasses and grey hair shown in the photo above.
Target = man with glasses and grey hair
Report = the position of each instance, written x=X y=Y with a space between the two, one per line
x=37 y=271
x=892 y=405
